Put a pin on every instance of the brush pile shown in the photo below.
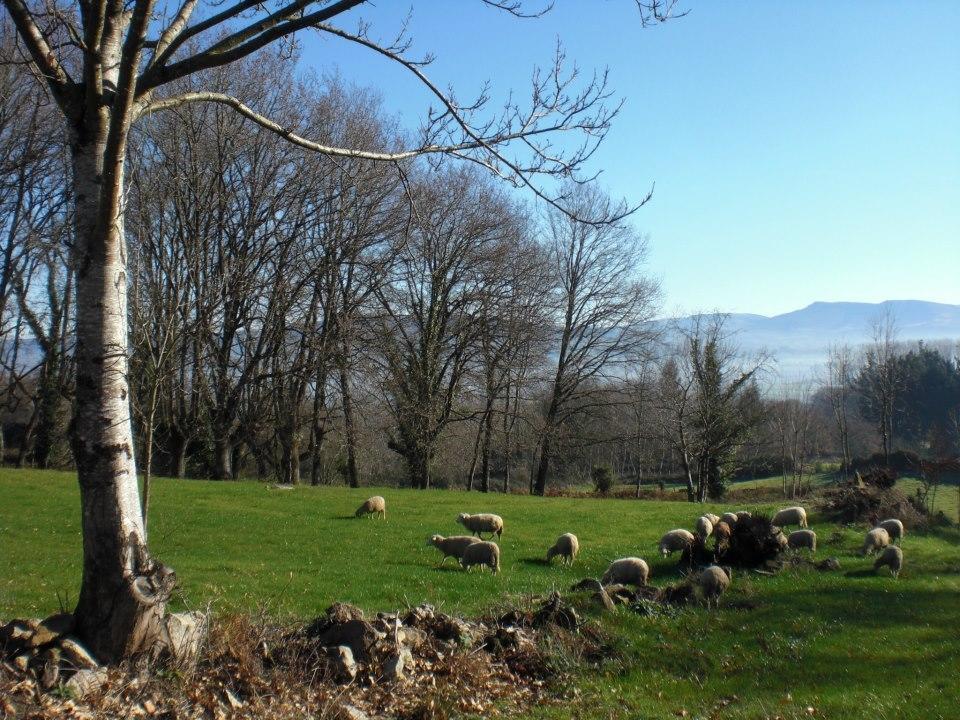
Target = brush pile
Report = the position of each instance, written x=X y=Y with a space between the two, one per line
x=345 y=664
x=754 y=542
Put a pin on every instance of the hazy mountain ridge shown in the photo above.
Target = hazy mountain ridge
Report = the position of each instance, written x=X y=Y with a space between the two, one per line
x=799 y=339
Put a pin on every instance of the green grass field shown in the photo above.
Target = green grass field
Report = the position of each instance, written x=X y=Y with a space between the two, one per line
x=850 y=644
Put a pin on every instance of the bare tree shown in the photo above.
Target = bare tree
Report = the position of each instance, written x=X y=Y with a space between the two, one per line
x=603 y=305
x=879 y=382
x=839 y=387
x=105 y=71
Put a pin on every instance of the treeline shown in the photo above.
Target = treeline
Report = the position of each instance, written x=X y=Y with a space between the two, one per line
x=308 y=318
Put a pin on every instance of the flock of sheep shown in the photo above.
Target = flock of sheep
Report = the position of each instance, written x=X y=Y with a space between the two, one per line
x=472 y=550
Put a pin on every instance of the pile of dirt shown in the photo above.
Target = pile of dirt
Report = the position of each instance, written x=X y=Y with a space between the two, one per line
x=754 y=542
x=418 y=664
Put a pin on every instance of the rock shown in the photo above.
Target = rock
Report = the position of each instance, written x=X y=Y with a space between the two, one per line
x=149 y=707
x=343 y=665
x=76 y=654
x=50 y=629
x=830 y=563
x=182 y=635
x=17 y=633
x=419 y=615
x=411 y=636
x=359 y=635
x=50 y=674
x=621 y=594
x=86 y=682
x=394 y=667
x=349 y=712
x=22 y=662
x=235 y=702
x=604 y=600
x=339 y=613
x=454 y=630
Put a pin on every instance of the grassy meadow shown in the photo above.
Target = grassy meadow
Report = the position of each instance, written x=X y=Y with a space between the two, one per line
x=847 y=644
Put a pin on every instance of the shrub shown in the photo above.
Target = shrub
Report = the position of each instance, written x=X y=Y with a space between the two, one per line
x=871 y=503
x=602 y=476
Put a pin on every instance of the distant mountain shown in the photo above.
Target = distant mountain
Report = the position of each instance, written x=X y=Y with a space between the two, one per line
x=799 y=340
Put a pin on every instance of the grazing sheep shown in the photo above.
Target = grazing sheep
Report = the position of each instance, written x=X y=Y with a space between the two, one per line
x=375 y=506
x=674 y=540
x=481 y=523
x=803 y=539
x=712 y=582
x=894 y=528
x=627 y=571
x=481 y=553
x=729 y=518
x=743 y=514
x=714 y=519
x=782 y=540
x=452 y=546
x=892 y=557
x=704 y=527
x=876 y=539
x=722 y=531
x=791 y=516
x=567 y=546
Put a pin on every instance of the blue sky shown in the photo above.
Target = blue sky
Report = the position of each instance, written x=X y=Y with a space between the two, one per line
x=801 y=151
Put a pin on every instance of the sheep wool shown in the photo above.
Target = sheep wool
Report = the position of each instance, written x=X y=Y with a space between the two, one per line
x=375 y=506
x=743 y=514
x=704 y=527
x=892 y=557
x=712 y=582
x=722 y=531
x=674 y=540
x=803 y=539
x=627 y=571
x=567 y=546
x=714 y=519
x=729 y=518
x=452 y=546
x=481 y=553
x=894 y=528
x=876 y=539
x=481 y=523
x=790 y=516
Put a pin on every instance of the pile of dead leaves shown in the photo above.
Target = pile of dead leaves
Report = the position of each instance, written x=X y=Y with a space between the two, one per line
x=344 y=665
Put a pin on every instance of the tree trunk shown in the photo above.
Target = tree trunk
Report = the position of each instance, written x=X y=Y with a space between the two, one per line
x=485 y=452
x=419 y=469
x=291 y=457
x=223 y=459
x=49 y=411
x=178 y=454
x=471 y=475
x=123 y=591
x=147 y=469
x=349 y=428
x=540 y=485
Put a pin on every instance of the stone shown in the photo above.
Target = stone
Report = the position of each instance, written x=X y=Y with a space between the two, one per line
x=830 y=563
x=86 y=682
x=419 y=615
x=359 y=635
x=604 y=600
x=76 y=654
x=50 y=629
x=343 y=665
x=22 y=662
x=393 y=669
x=411 y=636
x=349 y=712
x=49 y=662
x=183 y=634
x=17 y=633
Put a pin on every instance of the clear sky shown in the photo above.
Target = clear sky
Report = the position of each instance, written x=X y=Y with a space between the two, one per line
x=801 y=151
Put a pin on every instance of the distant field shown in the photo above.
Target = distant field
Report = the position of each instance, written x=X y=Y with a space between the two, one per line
x=850 y=644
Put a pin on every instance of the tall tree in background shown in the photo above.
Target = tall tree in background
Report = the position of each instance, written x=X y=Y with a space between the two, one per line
x=603 y=304
x=879 y=381
x=839 y=387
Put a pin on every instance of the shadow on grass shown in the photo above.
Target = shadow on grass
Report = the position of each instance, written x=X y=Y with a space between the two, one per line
x=538 y=561
x=866 y=572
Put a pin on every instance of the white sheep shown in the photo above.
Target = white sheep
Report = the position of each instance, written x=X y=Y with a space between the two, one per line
x=712 y=582
x=674 y=540
x=722 y=531
x=704 y=527
x=729 y=518
x=452 y=546
x=481 y=523
x=627 y=571
x=876 y=539
x=892 y=557
x=375 y=506
x=803 y=539
x=481 y=553
x=714 y=519
x=790 y=516
x=567 y=546
x=894 y=528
